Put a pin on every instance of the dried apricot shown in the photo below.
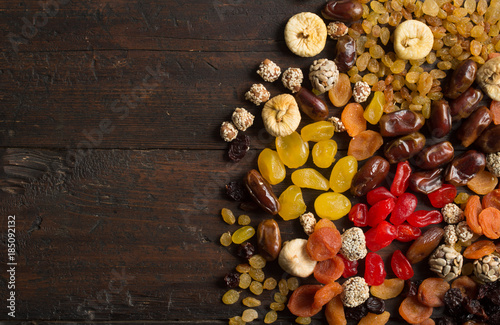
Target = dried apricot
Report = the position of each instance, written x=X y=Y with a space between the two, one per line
x=334 y=312
x=466 y=285
x=483 y=183
x=472 y=209
x=341 y=91
x=431 y=292
x=374 y=319
x=329 y=270
x=302 y=300
x=479 y=249
x=428 y=321
x=391 y=288
x=489 y=220
x=495 y=111
x=353 y=119
x=492 y=200
x=326 y=293
x=365 y=144
x=413 y=311
x=324 y=243
x=322 y=223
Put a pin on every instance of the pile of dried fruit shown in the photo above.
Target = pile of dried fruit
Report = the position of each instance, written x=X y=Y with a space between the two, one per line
x=390 y=70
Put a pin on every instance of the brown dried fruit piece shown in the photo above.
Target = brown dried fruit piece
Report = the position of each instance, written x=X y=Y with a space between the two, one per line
x=431 y=292
x=365 y=144
x=479 y=249
x=334 y=312
x=353 y=119
x=391 y=288
x=492 y=200
x=341 y=92
x=374 y=319
x=489 y=220
x=413 y=311
x=472 y=209
x=466 y=285
x=424 y=245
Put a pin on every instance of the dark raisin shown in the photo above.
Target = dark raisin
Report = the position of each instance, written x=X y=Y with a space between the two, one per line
x=494 y=318
x=236 y=191
x=484 y=289
x=410 y=288
x=246 y=250
x=356 y=313
x=375 y=305
x=474 y=307
x=232 y=279
x=239 y=147
x=446 y=320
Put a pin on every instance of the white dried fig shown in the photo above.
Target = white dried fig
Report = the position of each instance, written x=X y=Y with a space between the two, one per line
x=295 y=260
x=413 y=40
x=281 y=115
x=305 y=34
x=488 y=77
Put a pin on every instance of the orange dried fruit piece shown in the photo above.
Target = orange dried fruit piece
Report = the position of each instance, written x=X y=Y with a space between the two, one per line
x=483 y=183
x=341 y=91
x=326 y=293
x=324 y=223
x=431 y=292
x=302 y=300
x=365 y=144
x=495 y=111
x=489 y=220
x=492 y=200
x=479 y=249
x=468 y=286
x=329 y=270
x=428 y=321
x=413 y=311
x=471 y=212
x=334 y=312
x=324 y=244
x=391 y=288
x=353 y=119
x=375 y=319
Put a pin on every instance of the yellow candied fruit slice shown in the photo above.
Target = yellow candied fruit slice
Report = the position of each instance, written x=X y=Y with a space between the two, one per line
x=292 y=203
x=271 y=167
x=292 y=150
x=343 y=173
x=332 y=205
x=310 y=178
x=323 y=153
x=375 y=109
x=243 y=234
x=318 y=131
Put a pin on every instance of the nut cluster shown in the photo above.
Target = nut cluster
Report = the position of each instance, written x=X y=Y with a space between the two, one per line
x=257 y=94
x=452 y=213
x=353 y=244
x=464 y=233
x=337 y=123
x=493 y=163
x=242 y=118
x=450 y=234
x=228 y=131
x=361 y=91
x=323 y=74
x=336 y=29
x=308 y=222
x=355 y=292
x=269 y=71
x=446 y=262
x=487 y=268
x=292 y=79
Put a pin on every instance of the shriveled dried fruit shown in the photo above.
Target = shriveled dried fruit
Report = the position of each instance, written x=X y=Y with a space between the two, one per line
x=413 y=311
x=305 y=34
x=334 y=312
x=301 y=302
x=365 y=144
x=489 y=221
x=431 y=292
x=479 y=249
x=413 y=40
x=390 y=288
x=353 y=120
x=424 y=245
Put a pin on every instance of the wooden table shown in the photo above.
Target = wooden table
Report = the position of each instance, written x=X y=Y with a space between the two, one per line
x=112 y=161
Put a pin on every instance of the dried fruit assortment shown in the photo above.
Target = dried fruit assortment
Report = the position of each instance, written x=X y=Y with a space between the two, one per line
x=399 y=64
